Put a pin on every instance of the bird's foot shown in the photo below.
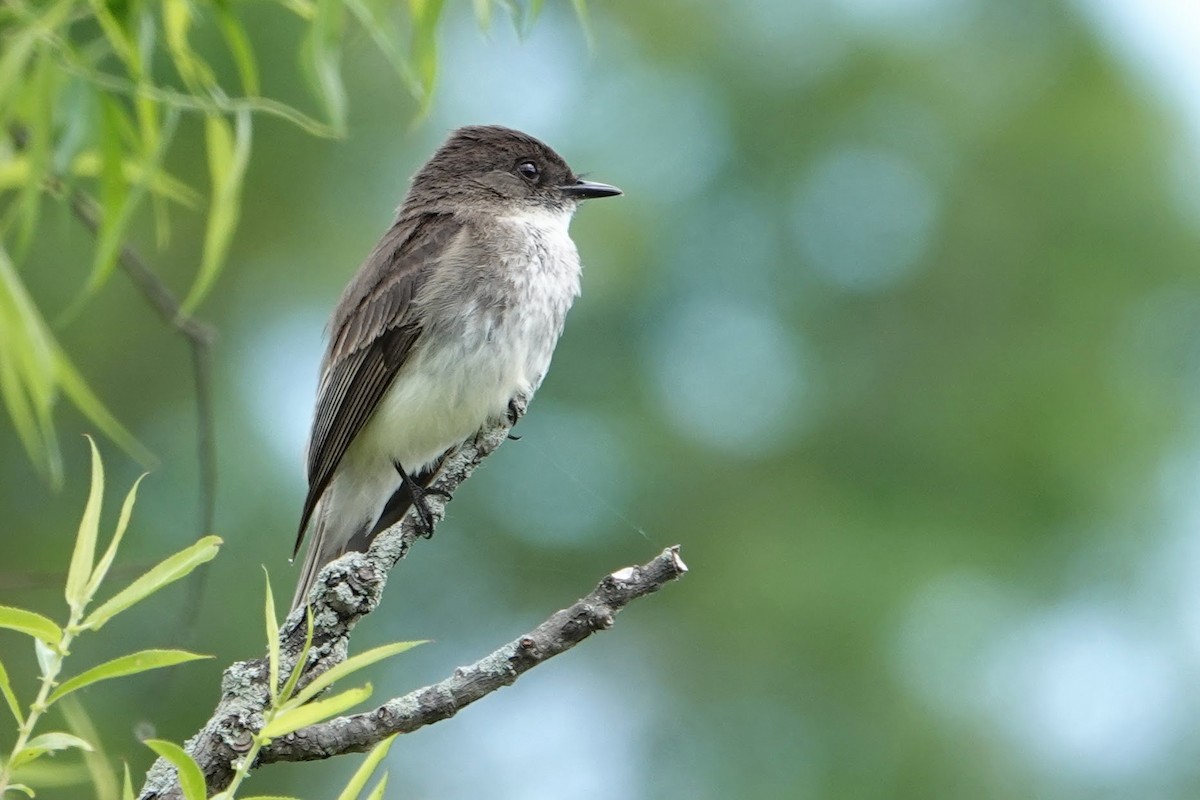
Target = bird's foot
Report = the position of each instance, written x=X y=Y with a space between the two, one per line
x=420 y=503
x=513 y=414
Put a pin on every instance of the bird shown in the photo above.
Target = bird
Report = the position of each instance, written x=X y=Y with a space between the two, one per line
x=453 y=317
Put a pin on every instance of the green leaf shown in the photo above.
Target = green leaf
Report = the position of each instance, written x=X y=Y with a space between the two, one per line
x=47 y=743
x=228 y=154
x=20 y=787
x=9 y=697
x=55 y=774
x=131 y=664
x=27 y=354
x=322 y=62
x=581 y=13
x=47 y=659
x=350 y=666
x=87 y=165
x=127 y=786
x=296 y=718
x=377 y=792
x=165 y=572
x=363 y=774
x=383 y=32
x=111 y=552
x=32 y=623
x=116 y=202
x=98 y=769
x=239 y=47
x=302 y=658
x=84 y=555
x=272 y=640
x=425 y=17
x=177 y=24
x=191 y=779
x=483 y=13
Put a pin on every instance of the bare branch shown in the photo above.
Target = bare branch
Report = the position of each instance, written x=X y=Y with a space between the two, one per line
x=200 y=339
x=559 y=633
x=348 y=589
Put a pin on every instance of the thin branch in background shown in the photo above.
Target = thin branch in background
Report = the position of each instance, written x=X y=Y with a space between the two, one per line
x=200 y=338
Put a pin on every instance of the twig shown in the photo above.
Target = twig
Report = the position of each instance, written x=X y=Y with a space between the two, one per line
x=348 y=589
x=559 y=633
x=200 y=339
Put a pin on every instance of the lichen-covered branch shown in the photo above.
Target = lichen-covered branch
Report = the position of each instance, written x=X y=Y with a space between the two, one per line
x=348 y=589
x=559 y=633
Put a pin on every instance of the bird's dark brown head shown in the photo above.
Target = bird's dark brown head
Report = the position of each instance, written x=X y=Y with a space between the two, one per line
x=493 y=164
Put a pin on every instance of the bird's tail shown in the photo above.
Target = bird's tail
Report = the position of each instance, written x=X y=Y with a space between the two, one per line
x=323 y=547
x=326 y=545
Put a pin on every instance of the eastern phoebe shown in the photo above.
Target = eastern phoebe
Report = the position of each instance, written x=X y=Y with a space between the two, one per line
x=453 y=315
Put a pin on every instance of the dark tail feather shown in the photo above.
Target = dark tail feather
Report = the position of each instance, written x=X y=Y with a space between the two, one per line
x=321 y=553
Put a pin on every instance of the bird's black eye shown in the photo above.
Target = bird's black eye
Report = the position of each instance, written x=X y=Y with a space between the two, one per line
x=528 y=169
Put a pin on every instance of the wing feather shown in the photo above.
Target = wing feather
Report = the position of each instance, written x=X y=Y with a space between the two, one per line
x=374 y=330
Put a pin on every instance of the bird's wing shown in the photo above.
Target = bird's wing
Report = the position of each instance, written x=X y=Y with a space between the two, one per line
x=373 y=332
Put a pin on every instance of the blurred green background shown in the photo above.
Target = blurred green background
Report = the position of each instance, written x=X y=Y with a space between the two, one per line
x=896 y=330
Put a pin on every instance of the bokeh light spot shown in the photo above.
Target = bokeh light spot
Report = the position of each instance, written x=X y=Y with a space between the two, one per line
x=864 y=219
x=728 y=374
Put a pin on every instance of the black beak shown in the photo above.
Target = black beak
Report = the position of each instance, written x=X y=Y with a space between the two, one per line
x=582 y=190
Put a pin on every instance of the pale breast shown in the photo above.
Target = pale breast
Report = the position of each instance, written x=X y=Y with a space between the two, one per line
x=490 y=335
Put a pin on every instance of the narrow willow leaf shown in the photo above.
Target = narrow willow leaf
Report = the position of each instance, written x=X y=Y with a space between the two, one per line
x=9 y=697
x=267 y=797
x=483 y=13
x=115 y=205
x=535 y=9
x=425 y=17
x=322 y=62
x=31 y=623
x=131 y=664
x=302 y=658
x=98 y=769
x=386 y=37
x=121 y=43
x=239 y=47
x=47 y=659
x=55 y=774
x=228 y=154
x=39 y=126
x=585 y=22
x=111 y=552
x=272 y=639
x=216 y=104
x=83 y=558
x=350 y=666
x=86 y=164
x=177 y=24
x=191 y=779
x=378 y=792
x=165 y=572
x=23 y=789
x=358 y=781
x=27 y=349
x=127 y=786
x=297 y=718
x=47 y=743
x=15 y=400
